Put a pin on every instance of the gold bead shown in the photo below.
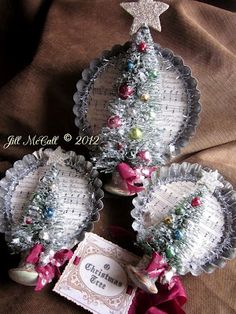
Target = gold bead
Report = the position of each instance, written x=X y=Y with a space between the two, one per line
x=167 y=220
x=145 y=97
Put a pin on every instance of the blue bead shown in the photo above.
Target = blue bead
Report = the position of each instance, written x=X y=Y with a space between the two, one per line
x=130 y=65
x=178 y=235
x=49 y=212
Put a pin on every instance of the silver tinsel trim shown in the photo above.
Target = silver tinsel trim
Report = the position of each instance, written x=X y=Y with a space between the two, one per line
x=42 y=221
x=134 y=112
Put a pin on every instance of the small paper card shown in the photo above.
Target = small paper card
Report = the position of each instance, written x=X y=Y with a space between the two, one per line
x=95 y=277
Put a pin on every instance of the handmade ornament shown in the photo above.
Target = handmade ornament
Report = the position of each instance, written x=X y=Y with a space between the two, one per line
x=140 y=100
x=185 y=224
x=49 y=199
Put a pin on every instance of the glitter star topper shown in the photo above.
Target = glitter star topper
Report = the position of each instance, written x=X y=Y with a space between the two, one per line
x=56 y=156
x=145 y=12
x=210 y=180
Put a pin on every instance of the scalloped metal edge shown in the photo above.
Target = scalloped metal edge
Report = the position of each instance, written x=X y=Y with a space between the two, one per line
x=38 y=158
x=29 y=162
x=168 y=174
x=98 y=65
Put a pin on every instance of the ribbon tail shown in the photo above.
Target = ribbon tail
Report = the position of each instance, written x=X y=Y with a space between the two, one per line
x=39 y=285
x=34 y=255
x=46 y=274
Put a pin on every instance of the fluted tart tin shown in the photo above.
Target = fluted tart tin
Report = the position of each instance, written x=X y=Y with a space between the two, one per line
x=179 y=98
x=187 y=214
x=79 y=194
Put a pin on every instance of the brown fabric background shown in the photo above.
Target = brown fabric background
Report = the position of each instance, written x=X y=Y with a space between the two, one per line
x=44 y=46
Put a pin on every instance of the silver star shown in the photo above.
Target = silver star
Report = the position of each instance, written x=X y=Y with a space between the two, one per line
x=145 y=12
x=210 y=180
x=56 y=156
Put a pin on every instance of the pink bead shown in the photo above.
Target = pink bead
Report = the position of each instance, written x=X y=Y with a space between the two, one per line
x=142 y=47
x=125 y=91
x=144 y=155
x=114 y=122
x=196 y=201
x=28 y=220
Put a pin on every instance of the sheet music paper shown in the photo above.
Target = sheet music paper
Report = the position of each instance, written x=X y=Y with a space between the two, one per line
x=172 y=99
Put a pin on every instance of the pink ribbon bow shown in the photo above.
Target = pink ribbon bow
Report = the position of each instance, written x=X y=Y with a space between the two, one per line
x=156 y=267
x=159 y=269
x=133 y=175
x=47 y=272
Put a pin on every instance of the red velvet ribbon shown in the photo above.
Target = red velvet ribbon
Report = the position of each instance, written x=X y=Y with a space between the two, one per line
x=131 y=175
x=164 y=302
x=47 y=272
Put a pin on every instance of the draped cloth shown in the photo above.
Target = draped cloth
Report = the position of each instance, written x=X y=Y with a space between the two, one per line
x=45 y=45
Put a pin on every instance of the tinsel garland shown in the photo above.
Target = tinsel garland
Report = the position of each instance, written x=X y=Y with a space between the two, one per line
x=169 y=236
x=42 y=218
x=137 y=128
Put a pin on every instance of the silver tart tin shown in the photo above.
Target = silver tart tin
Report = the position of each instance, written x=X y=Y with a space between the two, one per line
x=31 y=163
x=225 y=196
x=183 y=72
